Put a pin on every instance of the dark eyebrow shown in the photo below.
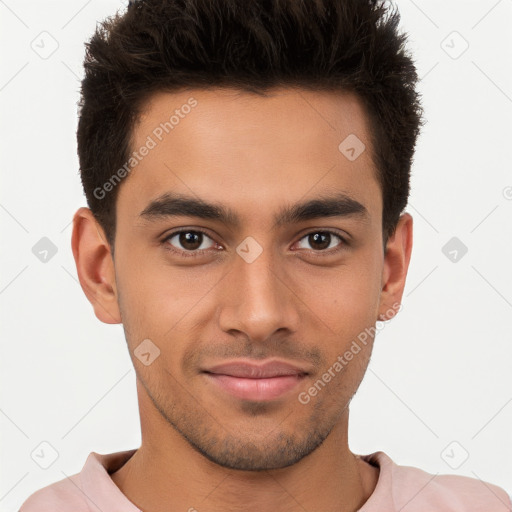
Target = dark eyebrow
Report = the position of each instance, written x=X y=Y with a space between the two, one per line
x=178 y=205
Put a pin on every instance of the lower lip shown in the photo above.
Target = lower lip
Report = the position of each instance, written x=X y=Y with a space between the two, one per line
x=256 y=389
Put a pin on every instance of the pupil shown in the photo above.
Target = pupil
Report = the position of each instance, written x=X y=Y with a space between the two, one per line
x=190 y=240
x=188 y=237
x=317 y=236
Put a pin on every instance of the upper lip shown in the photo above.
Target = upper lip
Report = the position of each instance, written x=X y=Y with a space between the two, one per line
x=251 y=370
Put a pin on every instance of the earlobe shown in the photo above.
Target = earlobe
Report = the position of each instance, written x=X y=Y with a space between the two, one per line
x=396 y=265
x=95 y=266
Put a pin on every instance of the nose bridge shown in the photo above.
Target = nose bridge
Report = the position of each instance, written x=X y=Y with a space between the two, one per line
x=259 y=276
x=257 y=301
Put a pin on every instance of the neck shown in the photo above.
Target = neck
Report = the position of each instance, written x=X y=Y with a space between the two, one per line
x=167 y=474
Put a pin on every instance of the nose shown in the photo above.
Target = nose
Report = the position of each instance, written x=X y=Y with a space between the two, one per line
x=258 y=299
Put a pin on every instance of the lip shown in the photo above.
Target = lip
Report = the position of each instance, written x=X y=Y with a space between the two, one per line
x=257 y=382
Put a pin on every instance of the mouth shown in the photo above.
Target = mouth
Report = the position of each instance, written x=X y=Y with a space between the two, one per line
x=258 y=382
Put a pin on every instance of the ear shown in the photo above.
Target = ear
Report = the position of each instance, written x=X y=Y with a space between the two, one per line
x=396 y=264
x=95 y=266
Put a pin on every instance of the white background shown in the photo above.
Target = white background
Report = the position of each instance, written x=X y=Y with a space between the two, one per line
x=440 y=372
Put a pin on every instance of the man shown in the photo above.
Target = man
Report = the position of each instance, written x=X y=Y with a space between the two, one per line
x=246 y=166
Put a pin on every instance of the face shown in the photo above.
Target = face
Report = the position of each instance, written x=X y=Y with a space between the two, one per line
x=248 y=260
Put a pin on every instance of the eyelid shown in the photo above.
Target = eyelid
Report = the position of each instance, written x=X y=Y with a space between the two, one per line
x=332 y=250
x=184 y=253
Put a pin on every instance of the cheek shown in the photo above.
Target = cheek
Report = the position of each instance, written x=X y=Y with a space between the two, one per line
x=349 y=307
x=136 y=294
x=348 y=297
x=161 y=306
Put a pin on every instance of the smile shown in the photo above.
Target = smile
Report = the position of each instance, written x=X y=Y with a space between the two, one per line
x=262 y=382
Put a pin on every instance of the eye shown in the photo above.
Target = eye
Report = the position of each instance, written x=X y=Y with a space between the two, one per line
x=192 y=242
x=189 y=242
x=320 y=241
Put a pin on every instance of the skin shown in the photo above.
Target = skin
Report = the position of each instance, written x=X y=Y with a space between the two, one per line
x=201 y=447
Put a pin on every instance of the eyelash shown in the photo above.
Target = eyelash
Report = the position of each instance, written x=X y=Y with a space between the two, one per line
x=199 y=252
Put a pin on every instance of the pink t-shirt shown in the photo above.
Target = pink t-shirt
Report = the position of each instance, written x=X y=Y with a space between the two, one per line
x=399 y=488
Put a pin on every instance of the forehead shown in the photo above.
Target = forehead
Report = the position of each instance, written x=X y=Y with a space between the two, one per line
x=251 y=151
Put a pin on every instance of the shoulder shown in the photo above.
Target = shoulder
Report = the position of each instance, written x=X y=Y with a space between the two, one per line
x=91 y=489
x=415 y=490
x=454 y=492
x=62 y=496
